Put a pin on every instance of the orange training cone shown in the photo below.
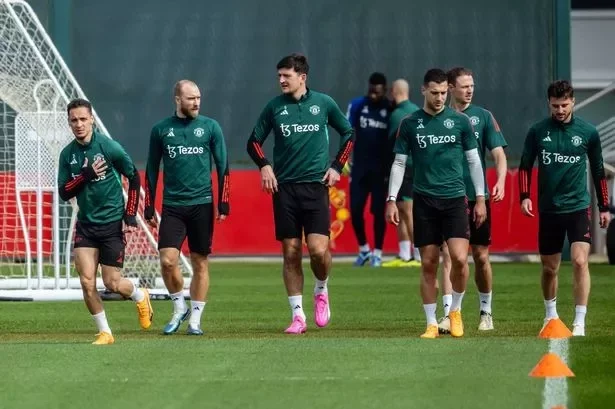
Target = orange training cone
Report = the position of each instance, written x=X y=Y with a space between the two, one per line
x=559 y=407
x=551 y=366
x=555 y=328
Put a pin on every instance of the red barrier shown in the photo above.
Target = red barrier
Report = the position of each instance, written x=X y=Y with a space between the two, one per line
x=249 y=229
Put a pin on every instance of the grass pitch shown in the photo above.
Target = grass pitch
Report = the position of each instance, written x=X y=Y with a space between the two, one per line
x=369 y=356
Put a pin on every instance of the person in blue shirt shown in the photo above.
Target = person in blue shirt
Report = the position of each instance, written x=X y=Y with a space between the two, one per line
x=371 y=159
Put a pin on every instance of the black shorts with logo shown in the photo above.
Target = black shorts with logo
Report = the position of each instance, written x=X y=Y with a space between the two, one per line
x=196 y=222
x=108 y=238
x=480 y=236
x=553 y=227
x=405 y=191
x=301 y=208
x=437 y=219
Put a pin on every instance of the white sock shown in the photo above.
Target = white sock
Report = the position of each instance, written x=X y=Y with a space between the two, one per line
x=447 y=300
x=456 y=302
x=196 y=310
x=137 y=294
x=430 y=313
x=551 y=309
x=485 y=301
x=179 y=303
x=296 y=305
x=579 y=315
x=101 y=322
x=378 y=253
x=404 y=250
x=364 y=248
x=417 y=254
x=321 y=286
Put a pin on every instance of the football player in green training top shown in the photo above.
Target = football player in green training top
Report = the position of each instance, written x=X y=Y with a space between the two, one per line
x=300 y=179
x=90 y=170
x=489 y=137
x=400 y=91
x=437 y=137
x=186 y=143
x=563 y=142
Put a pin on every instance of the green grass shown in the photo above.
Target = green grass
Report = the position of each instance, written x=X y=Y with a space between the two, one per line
x=370 y=356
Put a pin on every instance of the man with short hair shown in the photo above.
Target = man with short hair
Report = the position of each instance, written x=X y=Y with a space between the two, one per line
x=563 y=142
x=489 y=137
x=90 y=170
x=186 y=142
x=371 y=159
x=407 y=257
x=300 y=179
x=437 y=138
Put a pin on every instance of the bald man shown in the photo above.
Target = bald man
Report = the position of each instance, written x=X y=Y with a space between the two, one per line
x=408 y=257
x=186 y=142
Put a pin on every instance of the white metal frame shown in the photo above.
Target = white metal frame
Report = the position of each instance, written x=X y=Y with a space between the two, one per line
x=11 y=4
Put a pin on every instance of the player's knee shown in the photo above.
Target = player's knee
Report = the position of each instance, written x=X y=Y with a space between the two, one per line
x=549 y=270
x=481 y=258
x=318 y=254
x=292 y=255
x=429 y=266
x=88 y=285
x=112 y=284
x=168 y=262
x=579 y=262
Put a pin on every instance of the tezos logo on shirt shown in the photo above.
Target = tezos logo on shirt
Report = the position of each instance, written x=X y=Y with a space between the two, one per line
x=424 y=140
x=554 y=157
x=287 y=130
x=173 y=151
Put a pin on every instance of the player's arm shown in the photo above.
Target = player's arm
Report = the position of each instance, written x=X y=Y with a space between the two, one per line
x=340 y=123
x=496 y=144
x=219 y=152
x=398 y=168
x=152 y=168
x=124 y=164
x=528 y=157
x=257 y=138
x=470 y=147
x=68 y=186
x=596 y=166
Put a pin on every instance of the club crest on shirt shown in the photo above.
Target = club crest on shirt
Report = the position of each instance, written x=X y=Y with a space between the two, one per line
x=576 y=140
x=474 y=120
x=198 y=132
x=449 y=123
x=315 y=109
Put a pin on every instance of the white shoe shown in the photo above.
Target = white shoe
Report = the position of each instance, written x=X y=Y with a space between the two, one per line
x=444 y=325
x=486 y=321
x=578 y=330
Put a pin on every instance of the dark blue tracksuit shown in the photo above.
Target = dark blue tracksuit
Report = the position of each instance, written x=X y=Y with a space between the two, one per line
x=370 y=165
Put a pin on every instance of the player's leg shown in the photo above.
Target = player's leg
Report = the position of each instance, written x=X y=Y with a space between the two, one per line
x=316 y=221
x=405 y=237
x=200 y=230
x=444 y=323
x=456 y=232
x=358 y=199
x=480 y=239
x=171 y=236
x=86 y=254
x=286 y=214
x=428 y=238
x=551 y=235
x=579 y=235
x=112 y=246
x=378 y=193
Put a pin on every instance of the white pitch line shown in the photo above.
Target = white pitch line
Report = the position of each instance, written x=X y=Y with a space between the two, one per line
x=555 y=392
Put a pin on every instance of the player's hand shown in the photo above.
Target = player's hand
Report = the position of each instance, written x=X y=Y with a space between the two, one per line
x=268 y=181
x=223 y=211
x=392 y=213
x=480 y=211
x=605 y=218
x=526 y=207
x=331 y=177
x=149 y=216
x=130 y=223
x=498 y=191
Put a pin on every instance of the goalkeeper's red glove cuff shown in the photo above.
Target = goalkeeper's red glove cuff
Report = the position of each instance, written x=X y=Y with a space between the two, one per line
x=130 y=220
x=148 y=212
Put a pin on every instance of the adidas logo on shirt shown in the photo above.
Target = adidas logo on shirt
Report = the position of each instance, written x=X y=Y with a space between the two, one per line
x=546 y=139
